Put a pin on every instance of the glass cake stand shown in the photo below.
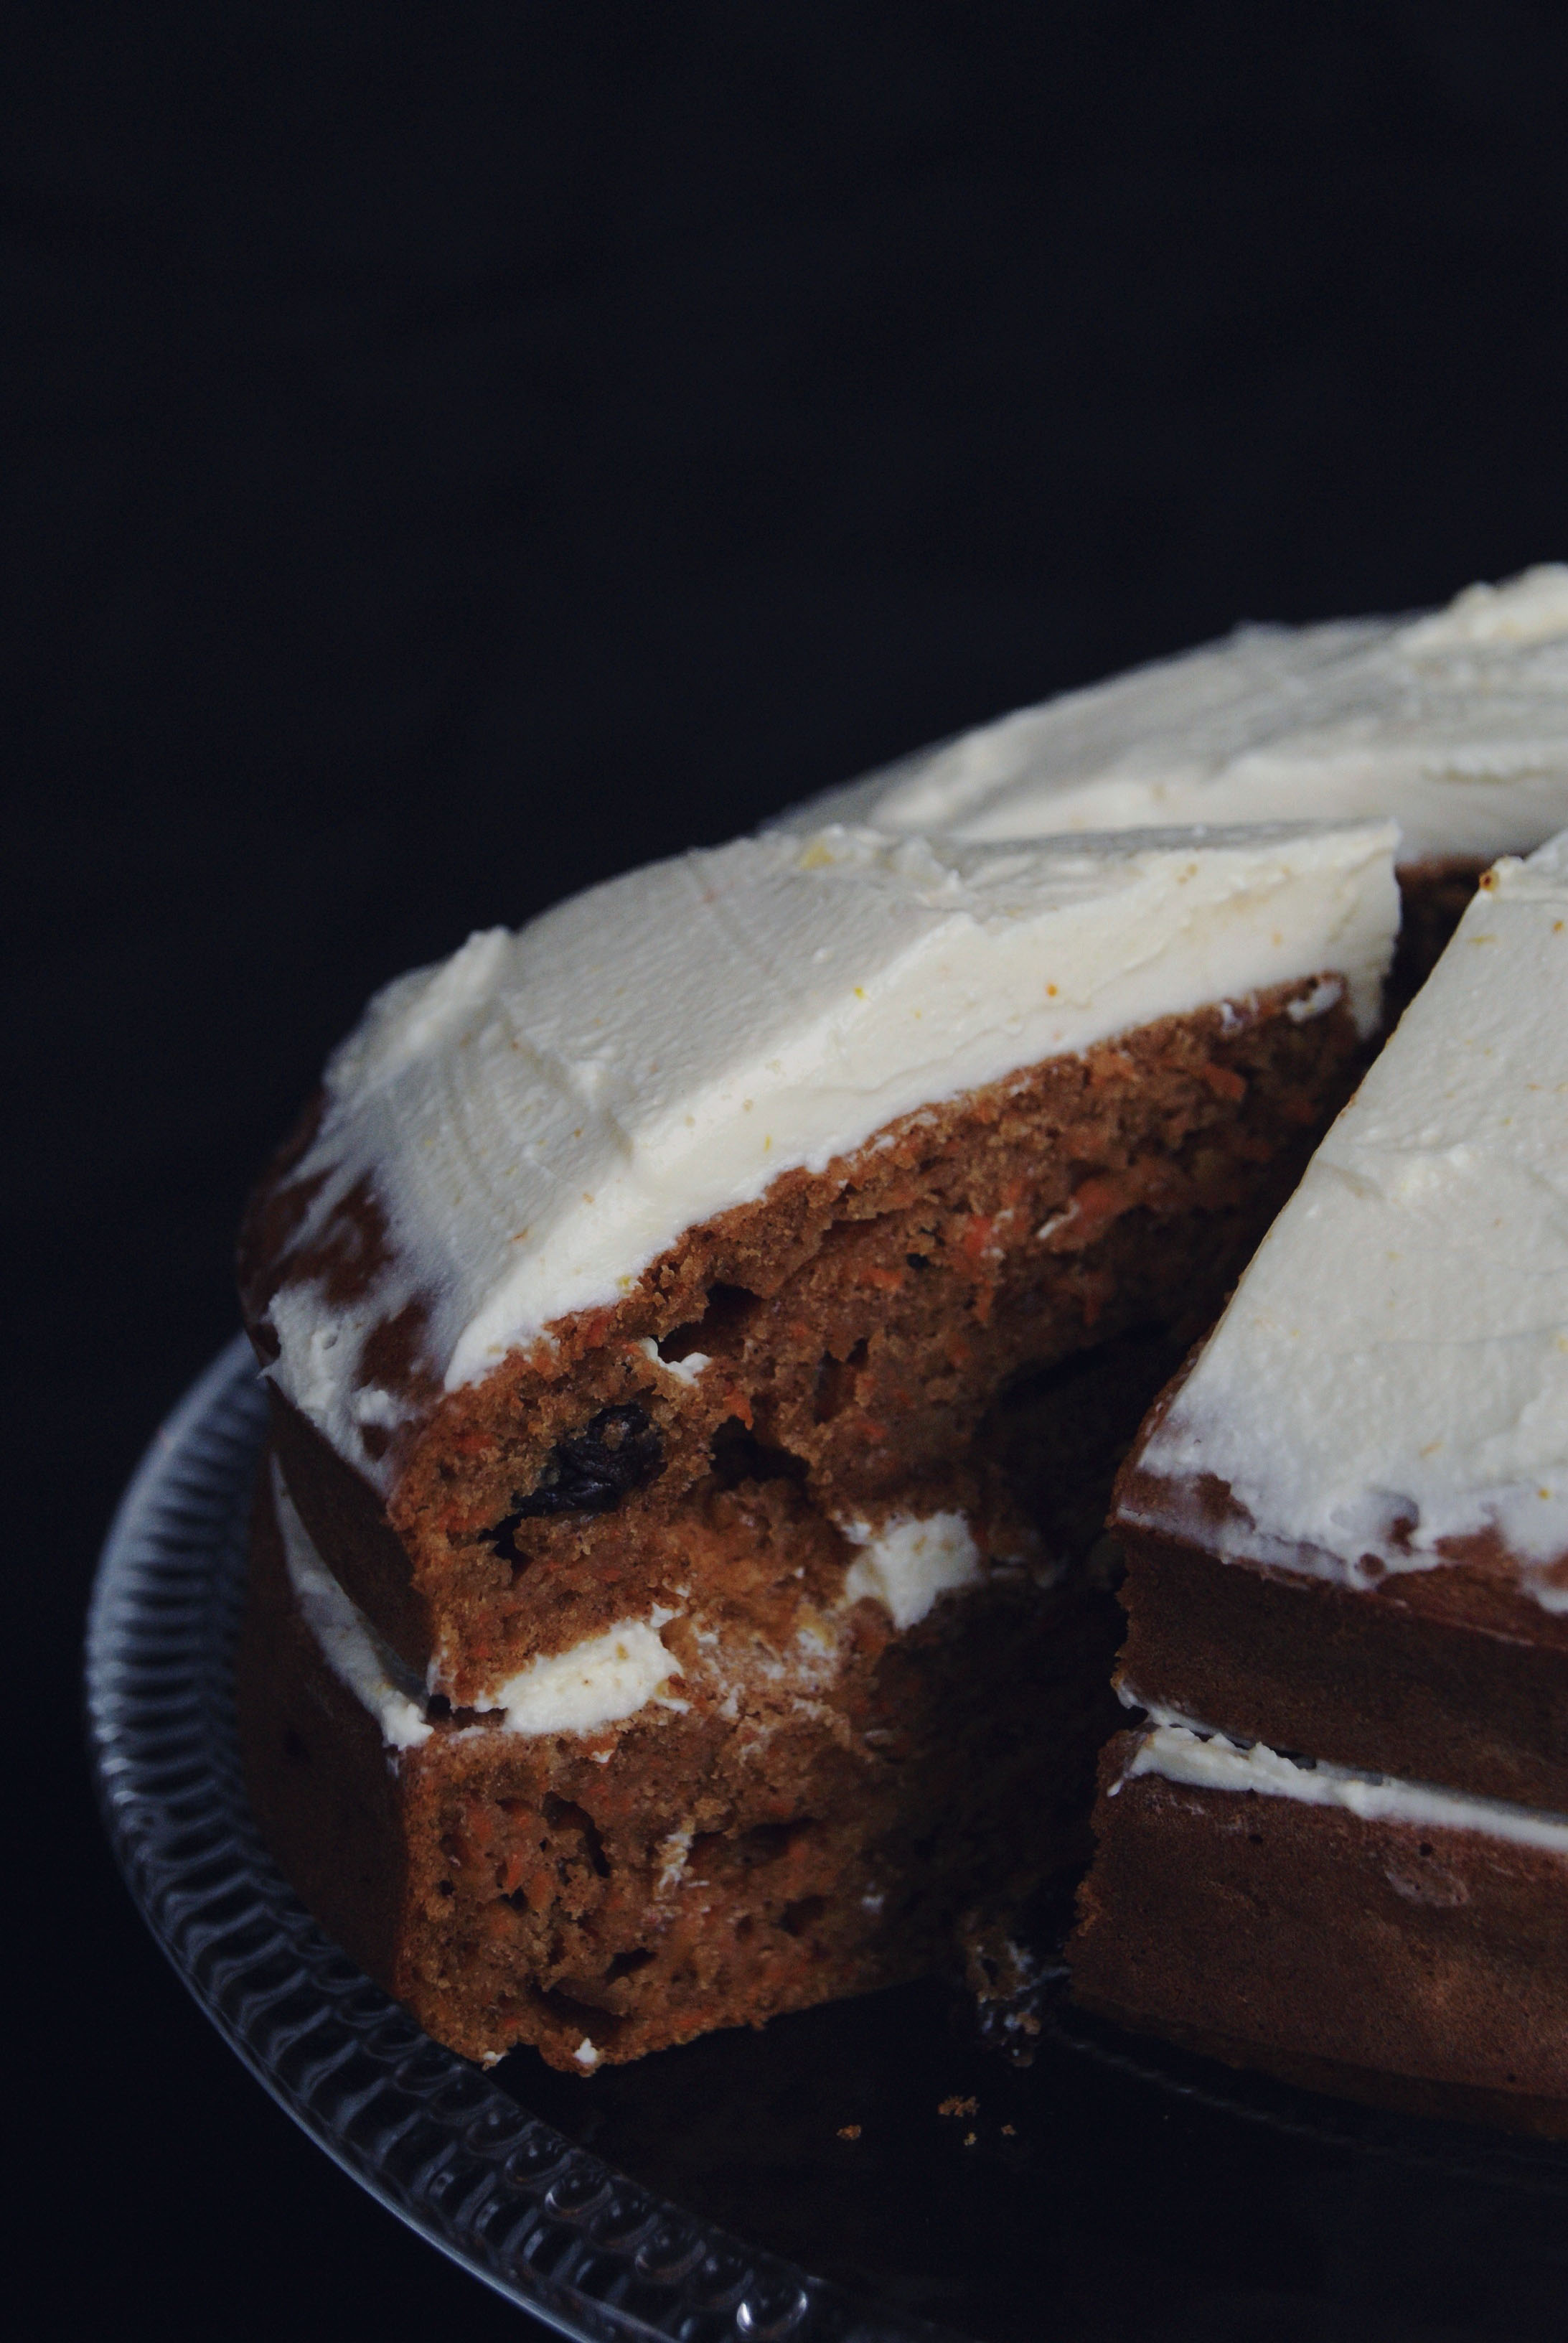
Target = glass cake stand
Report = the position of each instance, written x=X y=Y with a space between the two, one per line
x=867 y=2173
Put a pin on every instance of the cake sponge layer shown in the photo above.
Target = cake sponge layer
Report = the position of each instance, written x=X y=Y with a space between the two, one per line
x=523 y=1131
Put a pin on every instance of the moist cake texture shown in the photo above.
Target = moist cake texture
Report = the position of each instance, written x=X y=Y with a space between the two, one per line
x=702 y=1328
x=551 y=1239
x=622 y=1338
x=1346 y=1527
x=653 y=1841
x=515 y=1138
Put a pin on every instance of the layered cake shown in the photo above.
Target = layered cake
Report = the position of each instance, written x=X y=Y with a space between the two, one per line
x=685 y=1321
x=1455 y=723
x=1336 y=1845
x=702 y=1329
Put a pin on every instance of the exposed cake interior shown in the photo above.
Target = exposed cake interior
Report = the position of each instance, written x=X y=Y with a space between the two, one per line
x=805 y=1373
x=702 y=1328
x=770 y=1541
x=680 y=1823
x=1346 y=1530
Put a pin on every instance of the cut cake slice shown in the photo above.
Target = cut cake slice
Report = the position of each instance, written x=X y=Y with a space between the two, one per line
x=1339 y=1848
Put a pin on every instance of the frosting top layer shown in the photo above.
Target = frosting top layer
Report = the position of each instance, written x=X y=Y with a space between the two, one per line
x=543 y=1115
x=1391 y=1378
x=1455 y=724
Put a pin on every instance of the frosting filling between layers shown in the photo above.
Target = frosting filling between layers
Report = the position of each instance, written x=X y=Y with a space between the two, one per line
x=1391 y=1378
x=601 y=1681
x=544 y=1115
x=907 y=1561
x=1455 y=724
x=1195 y=1756
x=905 y=1566
x=360 y=1659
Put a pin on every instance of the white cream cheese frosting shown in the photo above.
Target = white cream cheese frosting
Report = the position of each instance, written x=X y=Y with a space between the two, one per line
x=909 y=1561
x=1192 y=1754
x=1392 y=1372
x=547 y=1111
x=599 y=1680
x=602 y=1680
x=1455 y=724
x=606 y=1679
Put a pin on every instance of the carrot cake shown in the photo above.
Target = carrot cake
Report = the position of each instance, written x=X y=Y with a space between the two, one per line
x=1337 y=1844
x=703 y=1328
x=671 y=1312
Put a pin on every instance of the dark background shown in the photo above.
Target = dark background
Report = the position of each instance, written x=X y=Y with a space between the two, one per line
x=456 y=456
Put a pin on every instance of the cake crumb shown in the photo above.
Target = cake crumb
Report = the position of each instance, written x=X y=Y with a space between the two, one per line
x=957 y=2106
x=848 y=2131
x=1009 y=2131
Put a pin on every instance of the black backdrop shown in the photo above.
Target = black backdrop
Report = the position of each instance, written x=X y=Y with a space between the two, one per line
x=456 y=456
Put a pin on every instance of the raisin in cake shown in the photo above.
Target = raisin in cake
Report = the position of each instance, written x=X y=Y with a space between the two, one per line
x=669 y=1604
x=1338 y=1845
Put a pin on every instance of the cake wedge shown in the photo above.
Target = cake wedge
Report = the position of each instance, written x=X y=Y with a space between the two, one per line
x=1338 y=1847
